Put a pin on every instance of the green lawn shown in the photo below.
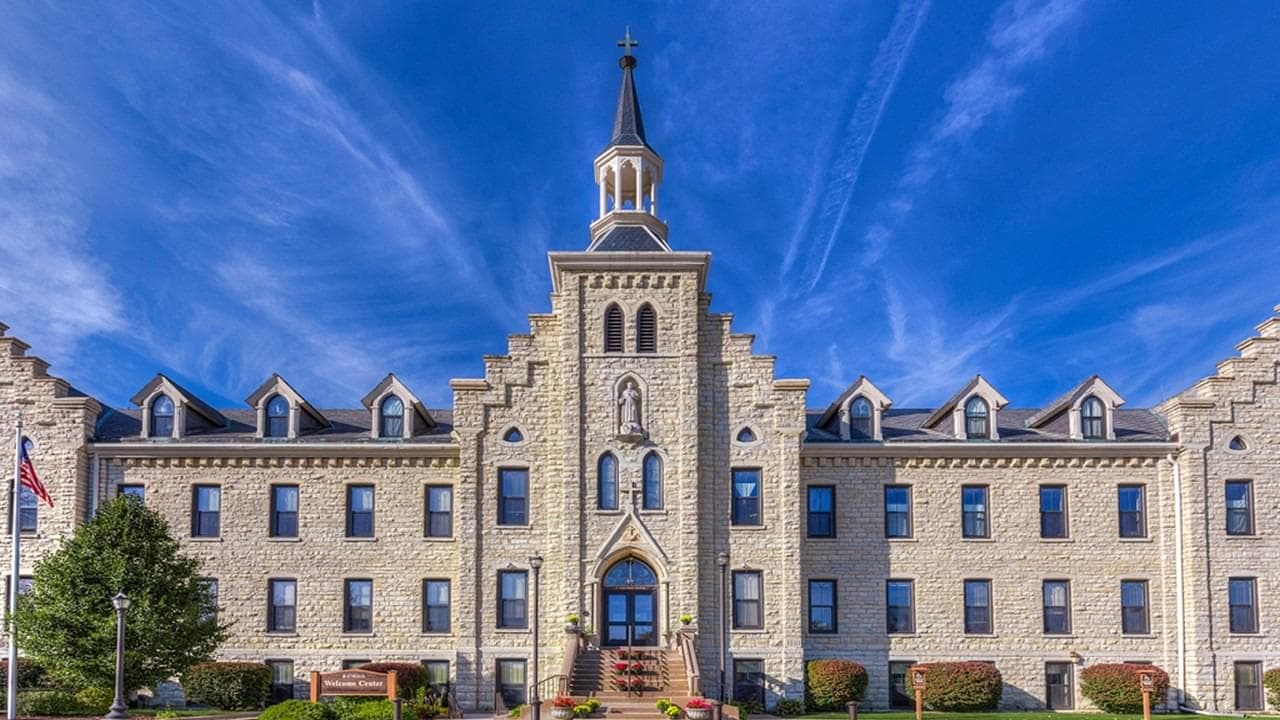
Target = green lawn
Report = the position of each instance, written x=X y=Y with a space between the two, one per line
x=1011 y=715
x=193 y=712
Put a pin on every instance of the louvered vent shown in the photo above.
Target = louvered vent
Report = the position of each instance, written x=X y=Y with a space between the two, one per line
x=613 y=329
x=646 y=330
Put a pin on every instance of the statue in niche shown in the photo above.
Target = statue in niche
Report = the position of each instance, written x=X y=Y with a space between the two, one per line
x=629 y=401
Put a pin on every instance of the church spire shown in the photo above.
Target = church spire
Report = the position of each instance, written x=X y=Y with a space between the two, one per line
x=628 y=173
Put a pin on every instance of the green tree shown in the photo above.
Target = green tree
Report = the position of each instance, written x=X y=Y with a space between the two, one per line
x=67 y=623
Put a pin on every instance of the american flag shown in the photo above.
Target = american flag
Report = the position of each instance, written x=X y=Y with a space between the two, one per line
x=27 y=474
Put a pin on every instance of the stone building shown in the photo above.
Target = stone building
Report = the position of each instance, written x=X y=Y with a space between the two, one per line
x=633 y=441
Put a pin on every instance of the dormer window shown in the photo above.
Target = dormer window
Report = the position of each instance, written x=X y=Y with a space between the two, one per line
x=976 y=416
x=277 y=417
x=860 y=419
x=613 y=329
x=162 y=417
x=646 y=330
x=1092 y=419
x=391 y=418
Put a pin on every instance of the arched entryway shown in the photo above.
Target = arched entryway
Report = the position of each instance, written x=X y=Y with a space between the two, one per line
x=629 y=604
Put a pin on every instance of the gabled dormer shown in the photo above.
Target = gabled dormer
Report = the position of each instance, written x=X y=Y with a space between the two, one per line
x=973 y=411
x=395 y=412
x=856 y=414
x=171 y=411
x=1090 y=410
x=282 y=412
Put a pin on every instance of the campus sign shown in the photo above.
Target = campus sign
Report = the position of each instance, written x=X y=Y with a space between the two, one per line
x=353 y=682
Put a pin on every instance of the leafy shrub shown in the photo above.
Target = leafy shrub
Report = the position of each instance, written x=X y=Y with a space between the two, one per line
x=50 y=702
x=582 y=710
x=374 y=710
x=789 y=707
x=515 y=711
x=1271 y=681
x=593 y=703
x=228 y=685
x=31 y=674
x=97 y=699
x=747 y=708
x=297 y=710
x=1117 y=687
x=409 y=676
x=166 y=714
x=830 y=684
x=662 y=705
x=958 y=686
x=672 y=712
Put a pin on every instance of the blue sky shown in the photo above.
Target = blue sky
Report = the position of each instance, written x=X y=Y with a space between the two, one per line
x=917 y=192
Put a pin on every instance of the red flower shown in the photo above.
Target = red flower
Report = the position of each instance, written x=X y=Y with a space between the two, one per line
x=637 y=666
x=563 y=701
x=620 y=666
x=697 y=704
x=636 y=682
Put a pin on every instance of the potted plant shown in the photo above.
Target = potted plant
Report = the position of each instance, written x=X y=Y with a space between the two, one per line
x=571 y=622
x=621 y=666
x=686 y=619
x=672 y=711
x=698 y=709
x=562 y=707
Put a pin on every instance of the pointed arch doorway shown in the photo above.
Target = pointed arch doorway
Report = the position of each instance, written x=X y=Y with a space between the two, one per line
x=629 y=604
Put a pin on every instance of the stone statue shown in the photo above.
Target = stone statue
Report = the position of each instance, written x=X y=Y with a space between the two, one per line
x=630 y=403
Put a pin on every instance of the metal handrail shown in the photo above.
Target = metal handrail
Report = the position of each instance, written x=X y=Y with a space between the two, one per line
x=553 y=687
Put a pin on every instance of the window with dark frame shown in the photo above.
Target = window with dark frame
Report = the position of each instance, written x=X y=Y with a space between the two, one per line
x=438 y=676
x=513 y=435
x=282 y=610
x=1248 y=685
x=1134 y=618
x=1092 y=419
x=746 y=435
x=282 y=679
x=439 y=511
x=607 y=482
x=822 y=607
x=162 y=417
x=900 y=616
x=977 y=607
x=206 y=510
x=746 y=496
x=1057 y=607
x=897 y=511
x=391 y=418
x=358 y=612
x=646 y=329
x=28 y=510
x=1053 y=511
x=748 y=681
x=352 y=663
x=652 y=487
x=1239 y=507
x=132 y=490
x=614 y=329
x=513 y=599
x=284 y=511
x=974 y=507
x=1242 y=601
x=511 y=682
x=976 y=414
x=209 y=590
x=436 y=606
x=860 y=419
x=277 y=418
x=822 y=511
x=900 y=696
x=748 y=600
x=1132 y=503
x=360 y=511
x=513 y=496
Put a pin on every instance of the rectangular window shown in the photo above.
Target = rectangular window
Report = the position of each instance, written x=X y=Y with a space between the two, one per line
x=353 y=663
x=206 y=510
x=897 y=511
x=822 y=606
x=1133 y=513
x=437 y=675
x=1057 y=607
x=900 y=603
x=210 y=588
x=1248 y=677
x=435 y=606
x=748 y=681
x=746 y=497
x=439 y=511
x=899 y=695
x=822 y=511
x=748 y=600
x=975 y=511
x=1058 y=694
x=25 y=585
x=513 y=599
x=284 y=511
x=513 y=496
x=1243 y=601
x=511 y=683
x=28 y=510
x=358 y=615
x=1239 y=507
x=138 y=491
x=359 y=511
x=281 y=680
x=282 y=611
x=1053 y=511
x=1133 y=607
x=977 y=607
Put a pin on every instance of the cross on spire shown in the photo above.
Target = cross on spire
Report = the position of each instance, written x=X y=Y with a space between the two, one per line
x=626 y=43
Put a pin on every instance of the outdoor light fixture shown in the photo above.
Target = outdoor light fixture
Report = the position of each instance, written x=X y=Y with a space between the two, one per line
x=535 y=702
x=119 y=710
x=722 y=560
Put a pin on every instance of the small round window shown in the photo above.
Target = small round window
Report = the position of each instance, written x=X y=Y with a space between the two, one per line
x=746 y=435
x=513 y=435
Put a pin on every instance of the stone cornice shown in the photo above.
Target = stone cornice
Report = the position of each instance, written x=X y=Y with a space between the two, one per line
x=957 y=450
x=629 y=262
x=212 y=451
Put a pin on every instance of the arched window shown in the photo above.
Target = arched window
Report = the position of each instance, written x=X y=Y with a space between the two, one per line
x=613 y=329
x=1238 y=444
x=608 y=482
x=391 y=418
x=1092 y=422
x=646 y=330
x=652 y=489
x=860 y=419
x=277 y=417
x=746 y=435
x=976 y=425
x=513 y=435
x=630 y=573
x=162 y=416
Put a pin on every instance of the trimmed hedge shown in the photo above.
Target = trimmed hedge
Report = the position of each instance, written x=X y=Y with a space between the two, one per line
x=228 y=685
x=831 y=684
x=1271 y=681
x=409 y=676
x=1117 y=687
x=51 y=702
x=297 y=710
x=364 y=710
x=958 y=686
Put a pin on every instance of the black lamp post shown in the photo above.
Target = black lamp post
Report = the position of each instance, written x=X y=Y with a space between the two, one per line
x=118 y=708
x=535 y=702
x=723 y=561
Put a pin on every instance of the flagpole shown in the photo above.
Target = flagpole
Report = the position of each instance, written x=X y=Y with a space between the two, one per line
x=11 y=695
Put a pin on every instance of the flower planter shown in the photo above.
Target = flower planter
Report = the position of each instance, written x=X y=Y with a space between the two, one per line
x=697 y=713
x=560 y=713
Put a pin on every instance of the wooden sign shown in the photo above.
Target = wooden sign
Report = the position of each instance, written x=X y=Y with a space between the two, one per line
x=353 y=682
x=1148 y=681
x=918 y=678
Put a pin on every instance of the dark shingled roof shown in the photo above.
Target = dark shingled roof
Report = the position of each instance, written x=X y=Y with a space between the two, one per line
x=629 y=238
x=346 y=426
x=905 y=425
x=628 y=126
